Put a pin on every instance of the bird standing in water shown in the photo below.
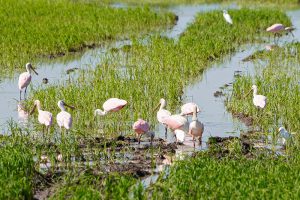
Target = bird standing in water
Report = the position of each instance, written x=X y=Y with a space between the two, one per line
x=25 y=79
x=196 y=127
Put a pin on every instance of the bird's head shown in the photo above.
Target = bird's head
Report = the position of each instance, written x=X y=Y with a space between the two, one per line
x=29 y=68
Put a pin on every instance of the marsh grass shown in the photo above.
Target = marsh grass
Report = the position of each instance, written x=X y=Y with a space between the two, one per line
x=279 y=82
x=31 y=29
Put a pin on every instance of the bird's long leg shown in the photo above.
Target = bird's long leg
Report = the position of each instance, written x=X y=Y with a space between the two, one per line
x=166 y=131
x=25 y=93
x=200 y=141
x=20 y=94
x=139 y=138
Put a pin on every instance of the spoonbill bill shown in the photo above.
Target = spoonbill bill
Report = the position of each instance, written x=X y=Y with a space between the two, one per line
x=63 y=118
x=44 y=117
x=142 y=127
x=187 y=109
x=111 y=105
x=196 y=127
x=227 y=17
x=162 y=114
x=25 y=79
x=276 y=29
x=178 y=124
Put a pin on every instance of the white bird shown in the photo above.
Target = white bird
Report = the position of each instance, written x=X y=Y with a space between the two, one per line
x=25 y=79
x=259 y=101
x=196 y=127
x=44 y=117
x=63 y=118
x=178 y=124
x=162 y=113
x=227 y=17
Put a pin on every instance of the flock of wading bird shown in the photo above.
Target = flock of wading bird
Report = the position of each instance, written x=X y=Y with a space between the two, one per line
x=178 y=123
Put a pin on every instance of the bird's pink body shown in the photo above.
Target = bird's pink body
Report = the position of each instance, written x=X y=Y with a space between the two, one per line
x=141 y=126
x=114 y=105
x=24 y=80
x=260 y=101
x=275 y=28
x=174 y=121
x=187 y=109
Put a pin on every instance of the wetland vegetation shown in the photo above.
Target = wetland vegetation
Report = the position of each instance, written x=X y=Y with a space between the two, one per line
x=99 y=159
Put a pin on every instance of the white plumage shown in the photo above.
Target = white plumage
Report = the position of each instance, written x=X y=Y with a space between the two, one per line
x=63 y=118
x=258 y=100
x=227 y=17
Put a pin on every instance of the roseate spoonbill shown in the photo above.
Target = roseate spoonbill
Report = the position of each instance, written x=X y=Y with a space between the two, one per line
x=44 y=117
x=25 y=79
x=277 y=29
x=196 y=127
x=111 y=105
x=178 y=124
x=227 y=17
x=63 y=118
x=162 y=114
x=187 y=109
x=142 y=127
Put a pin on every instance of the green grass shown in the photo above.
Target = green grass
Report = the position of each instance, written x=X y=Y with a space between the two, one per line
x=272 y=3
x=90 y=186
x=31 y=29
x=279 y=82
x=17 y=169
x=207 y=177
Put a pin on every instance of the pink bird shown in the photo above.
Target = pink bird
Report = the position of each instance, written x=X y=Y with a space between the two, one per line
x=162 y=113
x=44 y=117
x=63 y=118
x=25 y=79
x=196 y=127
x=111 y=105
x=178 y=124
x=277 y=29
x=187 y=109
x=142 y=127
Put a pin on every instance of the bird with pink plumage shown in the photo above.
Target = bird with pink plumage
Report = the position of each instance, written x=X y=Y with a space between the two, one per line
x=111 y=105
x=141 y=127
x=25 y=79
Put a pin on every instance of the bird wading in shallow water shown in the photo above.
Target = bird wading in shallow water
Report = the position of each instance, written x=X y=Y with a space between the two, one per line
x=25 y=79
x=227 y=17
x=196 y=127
x=178 y=124
x=63 y=118
x=44 y=117
x=162 y=114
x=141 y=127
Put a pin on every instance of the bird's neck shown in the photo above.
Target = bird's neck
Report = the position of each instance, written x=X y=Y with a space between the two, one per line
x=254 y=92
x=62 y=108
x=100 y=112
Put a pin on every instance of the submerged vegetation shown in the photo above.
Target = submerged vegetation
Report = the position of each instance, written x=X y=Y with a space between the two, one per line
x=30 y=29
